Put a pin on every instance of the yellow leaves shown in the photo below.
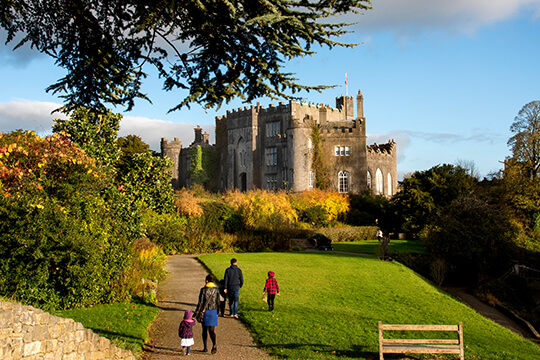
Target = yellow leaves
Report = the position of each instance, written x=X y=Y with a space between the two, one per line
x=38 y=206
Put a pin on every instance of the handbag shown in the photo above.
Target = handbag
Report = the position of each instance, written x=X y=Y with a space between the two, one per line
x=200 y=314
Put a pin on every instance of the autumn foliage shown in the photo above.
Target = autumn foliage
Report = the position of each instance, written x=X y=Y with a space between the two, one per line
x=65 y=229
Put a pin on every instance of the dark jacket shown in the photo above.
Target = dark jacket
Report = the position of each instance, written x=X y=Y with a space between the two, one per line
x=210 y=295
x=185 y=330
x=233 y=277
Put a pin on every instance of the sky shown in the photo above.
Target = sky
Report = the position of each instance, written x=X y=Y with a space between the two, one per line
x=444 y=79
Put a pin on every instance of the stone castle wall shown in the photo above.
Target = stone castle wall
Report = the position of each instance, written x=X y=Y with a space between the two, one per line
x=28 y=333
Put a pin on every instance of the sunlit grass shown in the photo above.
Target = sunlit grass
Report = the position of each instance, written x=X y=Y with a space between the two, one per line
x=331 y=303
x=124 y=324
x=372 y=246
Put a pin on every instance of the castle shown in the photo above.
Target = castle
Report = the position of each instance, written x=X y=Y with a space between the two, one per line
x=274 y=149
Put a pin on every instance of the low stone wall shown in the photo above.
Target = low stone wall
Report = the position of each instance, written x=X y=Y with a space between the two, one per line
x=31 y=334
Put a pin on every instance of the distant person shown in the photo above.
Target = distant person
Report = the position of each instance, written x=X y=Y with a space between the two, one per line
x=185 y=331
x=222 y=298
x=271 y=288
x=234 y=280
x=379 y=234
x=209 y=303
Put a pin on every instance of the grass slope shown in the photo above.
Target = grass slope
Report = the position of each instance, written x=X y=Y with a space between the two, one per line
x=124 y=324
x=331 y=303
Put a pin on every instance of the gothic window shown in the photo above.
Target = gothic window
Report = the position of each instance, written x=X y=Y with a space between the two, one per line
x=273 y=129
x=369 y=180
x=379 y=186
x=271 y=156
x=271 y=182
x=389 y=185
x=343 y=181
x=292 y=176
x=311 y=179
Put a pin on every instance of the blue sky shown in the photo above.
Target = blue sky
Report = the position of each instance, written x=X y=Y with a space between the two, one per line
x=443 y=79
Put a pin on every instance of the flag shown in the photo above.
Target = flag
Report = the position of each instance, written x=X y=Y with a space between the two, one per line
x=345 y=78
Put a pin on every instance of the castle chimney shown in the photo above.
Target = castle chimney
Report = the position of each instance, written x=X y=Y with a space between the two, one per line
x=360 y=105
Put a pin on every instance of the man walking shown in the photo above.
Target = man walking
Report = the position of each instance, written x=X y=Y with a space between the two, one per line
x=233 y=282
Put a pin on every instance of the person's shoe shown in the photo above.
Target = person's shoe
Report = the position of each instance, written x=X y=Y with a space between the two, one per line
x=214 y=350
x=204 y=350
x=236 y=316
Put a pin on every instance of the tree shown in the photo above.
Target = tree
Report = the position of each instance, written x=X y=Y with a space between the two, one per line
x=525 y=143
x=473 y=238
x=426 y=193
x=94 y=131
x=131 y=145
x=216 y=50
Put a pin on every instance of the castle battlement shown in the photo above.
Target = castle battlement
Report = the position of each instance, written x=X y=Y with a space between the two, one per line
x=174 y=143
x=387 y=148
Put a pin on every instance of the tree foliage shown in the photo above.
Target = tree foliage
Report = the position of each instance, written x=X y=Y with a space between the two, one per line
x=426 y=193
x=473 y=237
x=94 y=131
x=525 y=142
x=216 y=50
x=132 y=144
x=65 y=230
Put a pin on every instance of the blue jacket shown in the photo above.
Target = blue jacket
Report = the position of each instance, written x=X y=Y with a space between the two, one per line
x=233 y=277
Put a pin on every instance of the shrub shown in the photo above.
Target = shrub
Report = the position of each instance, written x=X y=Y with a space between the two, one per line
x=168 y=231
x=65 y=232
x=148 y=263
x=335 y=205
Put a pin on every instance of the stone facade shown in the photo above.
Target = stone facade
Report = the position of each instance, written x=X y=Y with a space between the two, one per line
x=272 y=149
x=31 y=334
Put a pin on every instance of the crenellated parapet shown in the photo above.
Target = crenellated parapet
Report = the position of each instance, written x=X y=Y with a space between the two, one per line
x=387 y=148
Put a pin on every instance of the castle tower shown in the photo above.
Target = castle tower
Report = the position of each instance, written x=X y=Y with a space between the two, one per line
x=345 y=103
x=172 y=152
x=201 y=138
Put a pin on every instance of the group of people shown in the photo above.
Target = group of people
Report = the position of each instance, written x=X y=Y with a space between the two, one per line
x=212 y=303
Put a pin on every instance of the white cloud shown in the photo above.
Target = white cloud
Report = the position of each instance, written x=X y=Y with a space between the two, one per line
x=152 y=130
x=37 y=116
x=28 y=115
x=411 y=16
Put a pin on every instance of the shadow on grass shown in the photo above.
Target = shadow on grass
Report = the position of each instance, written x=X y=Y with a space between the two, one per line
x=357 y=351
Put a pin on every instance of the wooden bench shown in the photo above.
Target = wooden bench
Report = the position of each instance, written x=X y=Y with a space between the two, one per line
x=421 y=346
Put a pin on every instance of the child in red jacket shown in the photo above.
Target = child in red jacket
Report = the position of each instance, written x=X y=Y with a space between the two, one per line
x=271 y=289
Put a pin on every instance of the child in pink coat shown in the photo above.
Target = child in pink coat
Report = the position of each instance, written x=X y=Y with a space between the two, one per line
x=185 y=331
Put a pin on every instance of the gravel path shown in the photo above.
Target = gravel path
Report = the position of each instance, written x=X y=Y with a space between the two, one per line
x=179 y=292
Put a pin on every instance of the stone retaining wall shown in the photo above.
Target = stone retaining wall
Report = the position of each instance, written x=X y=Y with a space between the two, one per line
x=32 y=334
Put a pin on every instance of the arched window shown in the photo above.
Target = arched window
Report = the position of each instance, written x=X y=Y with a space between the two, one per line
x=379 y=186
x=311 y=179
x=343 y=181
x=368 y=180
x=389 y=185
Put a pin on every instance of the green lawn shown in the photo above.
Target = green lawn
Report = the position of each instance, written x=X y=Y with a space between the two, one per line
x=331 y=303
x=124 y=324
x=372 y=246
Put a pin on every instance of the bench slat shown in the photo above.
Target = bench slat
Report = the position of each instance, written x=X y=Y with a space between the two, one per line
x=420 y=341
x=421 y=349
x=398 y=327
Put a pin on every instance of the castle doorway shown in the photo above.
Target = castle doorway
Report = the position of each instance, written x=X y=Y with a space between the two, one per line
x=243 y=182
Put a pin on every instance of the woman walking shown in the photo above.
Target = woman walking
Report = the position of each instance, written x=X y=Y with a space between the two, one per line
x=209 y=305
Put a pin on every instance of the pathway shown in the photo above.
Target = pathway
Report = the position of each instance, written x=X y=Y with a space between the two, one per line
x=179 y=292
